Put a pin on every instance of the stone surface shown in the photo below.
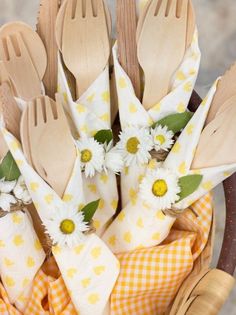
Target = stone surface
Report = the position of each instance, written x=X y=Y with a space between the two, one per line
x=217 y=30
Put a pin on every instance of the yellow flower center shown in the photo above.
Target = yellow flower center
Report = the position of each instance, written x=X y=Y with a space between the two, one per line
x=67 y=226
x=159 y=188
x=132 y=145
x=161 y=139
x=86 y=156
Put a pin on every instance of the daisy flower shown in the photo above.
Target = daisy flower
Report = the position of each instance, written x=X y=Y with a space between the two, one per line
x=92 y=156
x=6 y=198
x=160 y=188
x=66 y=227
x=113 y=159
x=21 y=192
x=135 y=144
x=162 y=138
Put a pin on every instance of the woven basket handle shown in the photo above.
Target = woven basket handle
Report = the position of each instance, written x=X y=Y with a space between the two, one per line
x=227 y=260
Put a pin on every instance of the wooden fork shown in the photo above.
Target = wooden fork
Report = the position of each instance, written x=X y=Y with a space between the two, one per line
x=18 y=63
x=52 y=148
x=87 y=53
x=161 y=46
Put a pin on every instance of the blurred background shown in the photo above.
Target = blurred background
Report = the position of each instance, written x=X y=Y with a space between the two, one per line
x=217 y=33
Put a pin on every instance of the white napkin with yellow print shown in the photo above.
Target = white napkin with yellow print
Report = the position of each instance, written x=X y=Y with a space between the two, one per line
x=90 y=114
x=89 y=269
x=21 y=256
x=132 y=112
x=141 y=225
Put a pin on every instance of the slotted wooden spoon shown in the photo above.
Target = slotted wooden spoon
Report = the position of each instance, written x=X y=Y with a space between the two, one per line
x=163 y=40
x=52 y=147
x=216 y=142
x=87 y=53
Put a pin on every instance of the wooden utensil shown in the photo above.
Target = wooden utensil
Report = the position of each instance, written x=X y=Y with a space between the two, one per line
x=60 y=22
x=216 y=145
x=87 y=53
x=24 y=135
x=163 y=39
x=226 y=88
x=10 y=110
x=126 y=39
x=191 y=24
x=19 y=66
x=51 y=145
x=32 y=42
x=46 y=30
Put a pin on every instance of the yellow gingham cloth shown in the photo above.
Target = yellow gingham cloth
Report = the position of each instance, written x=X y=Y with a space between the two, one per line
x=149 y=278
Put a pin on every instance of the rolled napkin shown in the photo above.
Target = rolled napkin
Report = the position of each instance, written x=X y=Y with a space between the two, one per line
x=21 y=256
x=157 y=273
x=147 y=220
x=90 y=114
x=88 y=267
x=133 y=114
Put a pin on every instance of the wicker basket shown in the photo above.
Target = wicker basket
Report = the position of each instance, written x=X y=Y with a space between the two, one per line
x=206 y=290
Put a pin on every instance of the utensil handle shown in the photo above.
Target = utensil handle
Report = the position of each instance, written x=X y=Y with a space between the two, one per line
x=126 y=38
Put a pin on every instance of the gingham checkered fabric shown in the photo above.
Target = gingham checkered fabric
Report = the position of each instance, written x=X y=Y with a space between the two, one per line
x=149 y=278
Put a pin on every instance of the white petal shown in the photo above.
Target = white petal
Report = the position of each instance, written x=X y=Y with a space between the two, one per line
x=6 y=200
x=6 y=186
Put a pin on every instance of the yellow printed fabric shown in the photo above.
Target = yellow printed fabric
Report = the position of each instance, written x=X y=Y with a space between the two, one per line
x=90 y=258
x=148 y=280
x=91 y=113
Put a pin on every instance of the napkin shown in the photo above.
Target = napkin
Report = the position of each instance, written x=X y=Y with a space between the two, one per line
x=132 y=112
x=150 y=278
x=21 y=256
x=89 y=269
x=142 y=225
x=91 y=113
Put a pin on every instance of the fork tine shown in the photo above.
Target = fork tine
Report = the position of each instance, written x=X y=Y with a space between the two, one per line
x=11 y=49
x=31 y=108
x=173 y=8
x=161 y=8
x=89 y=8
x=153 y=7
x=79 y=9
x=40 y=111
x=69 y=10
x=21 y=44
x=100 y=10
x=184 y=9
x=3 y=52
x=49 y=109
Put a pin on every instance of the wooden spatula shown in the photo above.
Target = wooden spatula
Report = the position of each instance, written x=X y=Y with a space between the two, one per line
x=10 y=110
x=86 y=54
x=46 y=29
x=162 y=46
x=226 y=88
x=216 y=146
x=52 y=148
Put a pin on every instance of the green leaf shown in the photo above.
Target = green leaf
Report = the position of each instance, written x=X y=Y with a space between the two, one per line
x=175 y=122
x=89 y=210
x=104 y=136
x=189 y=184
x=9 y=169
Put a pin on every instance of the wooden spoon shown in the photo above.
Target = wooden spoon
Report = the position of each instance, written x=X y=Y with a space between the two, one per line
x=52 y=147
x=161 y=47
x=87 y=53
x=190 y=27
x=216 y=145
x=32 y=42
x=60 y=22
